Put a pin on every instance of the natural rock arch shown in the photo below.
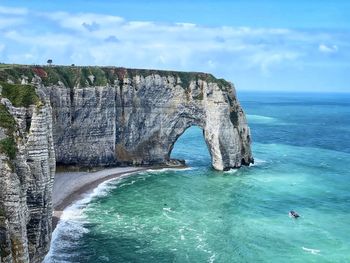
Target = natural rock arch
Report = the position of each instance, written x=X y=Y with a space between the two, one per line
x=137 y=121
x=174 y=139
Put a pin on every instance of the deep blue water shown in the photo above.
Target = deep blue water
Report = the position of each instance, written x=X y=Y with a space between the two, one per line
x=302 y=151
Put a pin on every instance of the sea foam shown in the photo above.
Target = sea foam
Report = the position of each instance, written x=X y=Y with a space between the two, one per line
x=311 y=250
x=258 y=162
x=71 y=224
x=259 y=119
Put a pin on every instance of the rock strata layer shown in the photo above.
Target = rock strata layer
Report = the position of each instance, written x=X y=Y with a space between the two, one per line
x=26 y=179
x=95 y=116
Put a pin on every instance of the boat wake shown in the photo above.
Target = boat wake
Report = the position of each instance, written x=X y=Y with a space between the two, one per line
x=311 y=250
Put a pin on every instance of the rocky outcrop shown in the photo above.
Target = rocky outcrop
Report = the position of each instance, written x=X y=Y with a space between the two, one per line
x=93 y=116
x=27 y=166
x=135 y=118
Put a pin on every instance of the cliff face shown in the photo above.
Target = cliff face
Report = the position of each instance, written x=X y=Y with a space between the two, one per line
x=27 y=165
x=137 y=116
x=92 y=116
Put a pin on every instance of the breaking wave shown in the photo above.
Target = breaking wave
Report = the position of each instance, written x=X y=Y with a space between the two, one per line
x=259 y=119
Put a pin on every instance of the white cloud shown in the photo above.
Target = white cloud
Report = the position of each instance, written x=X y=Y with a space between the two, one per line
x=327 y=48
x=97 y=39
x=10 y=22
x=81 y=21
x=12 y=11
x=269 y=59
x=47 y=40
x=186 y=25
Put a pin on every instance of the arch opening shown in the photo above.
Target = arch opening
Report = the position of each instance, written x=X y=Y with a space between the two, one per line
x=191 y=147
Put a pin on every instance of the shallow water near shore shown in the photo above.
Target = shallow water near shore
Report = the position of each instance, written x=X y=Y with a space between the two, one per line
x=302 y=151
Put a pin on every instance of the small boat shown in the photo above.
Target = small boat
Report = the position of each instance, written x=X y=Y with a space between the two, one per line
x=294 y=214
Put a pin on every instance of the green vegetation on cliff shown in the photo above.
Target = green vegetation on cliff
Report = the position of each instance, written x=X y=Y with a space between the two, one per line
x=185 y=77
x=20 y=95
x=6 y=120
x=15 y=73
x=7 y=145
x=75 y=76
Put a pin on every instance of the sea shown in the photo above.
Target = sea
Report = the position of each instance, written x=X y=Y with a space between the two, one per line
x=301 y=146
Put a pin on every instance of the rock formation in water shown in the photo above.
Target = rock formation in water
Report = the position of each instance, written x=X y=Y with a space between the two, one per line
x=93 y=116
x=134 y=117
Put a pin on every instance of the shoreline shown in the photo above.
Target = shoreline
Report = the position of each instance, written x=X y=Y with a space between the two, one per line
x=70 y=187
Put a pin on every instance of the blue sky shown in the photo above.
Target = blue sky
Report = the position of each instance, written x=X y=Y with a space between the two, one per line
x=258 y=45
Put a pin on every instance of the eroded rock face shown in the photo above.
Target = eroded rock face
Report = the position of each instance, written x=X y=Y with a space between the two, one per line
x=90 y=116
x=137 y=120
x=26 y=185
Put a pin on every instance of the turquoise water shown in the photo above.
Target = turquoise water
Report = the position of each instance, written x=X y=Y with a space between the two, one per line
x=302 y=152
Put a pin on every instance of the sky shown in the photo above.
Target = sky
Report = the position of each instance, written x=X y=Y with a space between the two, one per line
x=259 y=45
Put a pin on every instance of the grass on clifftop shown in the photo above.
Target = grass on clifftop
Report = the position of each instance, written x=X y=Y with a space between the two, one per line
x=185 y=77
x=19 y=95
x=73 y=76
